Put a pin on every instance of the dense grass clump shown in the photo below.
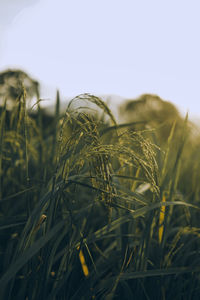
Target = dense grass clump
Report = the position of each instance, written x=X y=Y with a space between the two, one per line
x=90 y=209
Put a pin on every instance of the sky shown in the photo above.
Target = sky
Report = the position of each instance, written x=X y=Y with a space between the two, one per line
x=120 y=47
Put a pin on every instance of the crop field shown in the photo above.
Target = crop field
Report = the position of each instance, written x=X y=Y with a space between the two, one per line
x=95 y=209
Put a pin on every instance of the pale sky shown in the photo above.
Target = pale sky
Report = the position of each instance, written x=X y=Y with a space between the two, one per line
x=121 y=47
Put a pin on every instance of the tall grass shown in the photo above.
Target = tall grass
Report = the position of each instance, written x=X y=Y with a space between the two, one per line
x=92 y=209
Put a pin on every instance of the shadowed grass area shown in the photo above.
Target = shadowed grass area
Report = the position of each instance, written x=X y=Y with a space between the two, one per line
x=90 y=209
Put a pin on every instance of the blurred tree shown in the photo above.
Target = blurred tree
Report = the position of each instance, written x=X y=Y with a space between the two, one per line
x=154 y=112
x=11 y=82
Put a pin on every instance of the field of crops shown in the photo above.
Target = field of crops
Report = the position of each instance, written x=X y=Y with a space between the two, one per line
x=93 y=209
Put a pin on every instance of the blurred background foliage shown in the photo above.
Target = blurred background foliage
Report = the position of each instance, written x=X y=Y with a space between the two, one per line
x=11 y=82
